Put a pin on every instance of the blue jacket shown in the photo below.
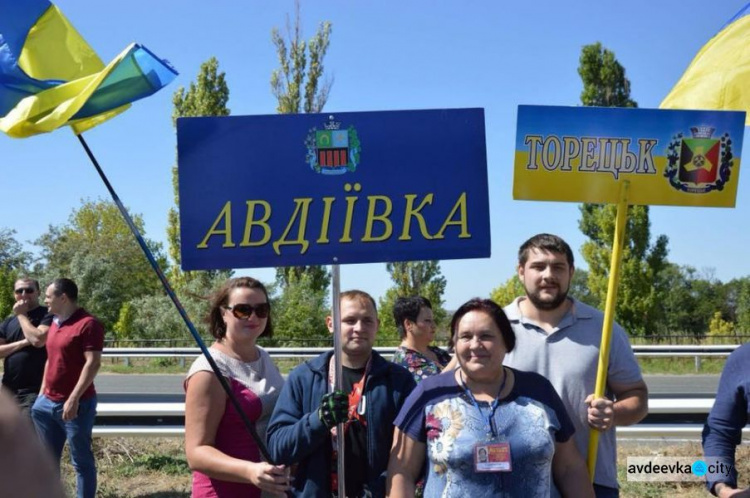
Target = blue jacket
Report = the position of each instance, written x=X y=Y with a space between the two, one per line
x=722 y=432
x=296 y=435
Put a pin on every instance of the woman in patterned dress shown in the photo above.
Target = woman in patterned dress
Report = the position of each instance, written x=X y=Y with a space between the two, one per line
x=224 y=458
x=416 y=326
x=514 y=419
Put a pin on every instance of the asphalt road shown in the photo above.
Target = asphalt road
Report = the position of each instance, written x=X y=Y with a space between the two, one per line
x=680 y=386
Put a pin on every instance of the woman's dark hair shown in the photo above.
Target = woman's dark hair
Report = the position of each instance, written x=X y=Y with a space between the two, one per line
x=494 y=311
x=220 y=299
x=408 y=308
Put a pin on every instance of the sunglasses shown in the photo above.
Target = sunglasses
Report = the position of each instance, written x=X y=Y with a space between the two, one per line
x=26 y=290
x=245 y=311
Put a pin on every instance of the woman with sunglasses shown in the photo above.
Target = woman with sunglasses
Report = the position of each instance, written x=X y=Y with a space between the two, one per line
x=225 y=460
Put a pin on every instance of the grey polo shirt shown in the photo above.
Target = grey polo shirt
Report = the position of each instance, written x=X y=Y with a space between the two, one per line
x=568 y=357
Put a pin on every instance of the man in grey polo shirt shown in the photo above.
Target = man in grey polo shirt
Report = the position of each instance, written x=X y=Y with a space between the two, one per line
x=559 y=337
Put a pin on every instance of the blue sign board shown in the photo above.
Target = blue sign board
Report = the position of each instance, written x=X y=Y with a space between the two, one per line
x=358 y=187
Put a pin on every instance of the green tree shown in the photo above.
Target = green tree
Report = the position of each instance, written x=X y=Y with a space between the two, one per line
x=605 y=84
x=299 y=313
x=719 y=329
x=677 y=316
x=7 y=280
x=208 y=95
x=579 y=288
x=506 y=293
x=12 y=255
x=742 y=304
x=689 y=301
x=154 y=316
x=412 y=278
x=604 y=81
x=299 y=86
x=97 y=250
x=13 y=261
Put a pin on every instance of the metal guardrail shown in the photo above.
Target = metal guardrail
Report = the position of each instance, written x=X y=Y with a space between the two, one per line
x=691 y=432
x=158 y=410
x=307 y=352
x=720 y=350
x=152 y=413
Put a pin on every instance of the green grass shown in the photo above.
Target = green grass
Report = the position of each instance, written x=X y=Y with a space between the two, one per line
x=171 y=365
x=145 y=366
x=681 y=365
x=167 y=464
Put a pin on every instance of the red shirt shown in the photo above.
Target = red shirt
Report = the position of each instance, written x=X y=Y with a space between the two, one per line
x=66 y=343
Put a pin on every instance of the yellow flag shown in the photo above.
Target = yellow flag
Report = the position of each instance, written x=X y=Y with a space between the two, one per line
x=51 y=77
x=719 y=76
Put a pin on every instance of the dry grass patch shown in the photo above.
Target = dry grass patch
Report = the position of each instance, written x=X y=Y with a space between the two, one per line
x=156 y=468
x=668 y=448
x=137 y=468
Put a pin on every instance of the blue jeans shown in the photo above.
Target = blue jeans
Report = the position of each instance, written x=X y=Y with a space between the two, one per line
x=53 y=431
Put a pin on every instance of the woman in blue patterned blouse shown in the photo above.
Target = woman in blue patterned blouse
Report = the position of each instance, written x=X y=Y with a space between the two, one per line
x=416 y=326
x=484 y=430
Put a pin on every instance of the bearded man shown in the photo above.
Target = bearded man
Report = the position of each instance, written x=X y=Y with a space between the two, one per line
x=559 y=337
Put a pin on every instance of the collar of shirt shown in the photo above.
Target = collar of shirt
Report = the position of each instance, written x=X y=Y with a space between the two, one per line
x=577 y=311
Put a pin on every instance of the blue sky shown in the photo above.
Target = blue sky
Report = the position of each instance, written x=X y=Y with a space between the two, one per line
x=383 y=55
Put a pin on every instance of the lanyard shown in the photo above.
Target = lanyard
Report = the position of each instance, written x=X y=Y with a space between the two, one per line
x=489 y=426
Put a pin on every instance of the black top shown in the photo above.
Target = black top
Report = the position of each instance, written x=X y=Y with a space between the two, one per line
x=355 y=442
x=23 y=370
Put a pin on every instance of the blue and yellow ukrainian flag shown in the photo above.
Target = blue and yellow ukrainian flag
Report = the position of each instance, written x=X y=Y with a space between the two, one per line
x=719 y=76
x=50 y=76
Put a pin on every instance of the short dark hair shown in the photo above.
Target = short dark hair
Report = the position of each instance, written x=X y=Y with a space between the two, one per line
x=494 y=311
x=545 y=242
x=65 y=286
x=33 y=282
x=408 y=308
x=358 y=295
x=220 y=299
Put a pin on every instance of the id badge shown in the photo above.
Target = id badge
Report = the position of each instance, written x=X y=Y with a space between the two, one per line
x=492 y=457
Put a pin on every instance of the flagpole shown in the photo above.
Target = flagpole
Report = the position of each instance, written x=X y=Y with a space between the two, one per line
x=338 y=369
x=609 y=316
x=249 y=425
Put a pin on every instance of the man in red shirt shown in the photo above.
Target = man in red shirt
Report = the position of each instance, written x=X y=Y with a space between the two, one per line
x=66 y=406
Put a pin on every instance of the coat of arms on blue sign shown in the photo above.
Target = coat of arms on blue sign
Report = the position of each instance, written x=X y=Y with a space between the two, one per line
x=333 y=151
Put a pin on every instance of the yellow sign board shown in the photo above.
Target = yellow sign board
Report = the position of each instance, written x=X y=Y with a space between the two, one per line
x=583 y=154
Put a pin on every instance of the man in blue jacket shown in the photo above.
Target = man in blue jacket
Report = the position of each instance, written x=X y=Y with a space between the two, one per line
x=302 y=430
x=723 y=430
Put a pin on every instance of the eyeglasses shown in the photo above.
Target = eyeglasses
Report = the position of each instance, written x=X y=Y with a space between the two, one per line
x=245 y=311
x=27 y=290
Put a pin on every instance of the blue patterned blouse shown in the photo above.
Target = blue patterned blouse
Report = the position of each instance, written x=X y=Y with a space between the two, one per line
x=531 y=419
